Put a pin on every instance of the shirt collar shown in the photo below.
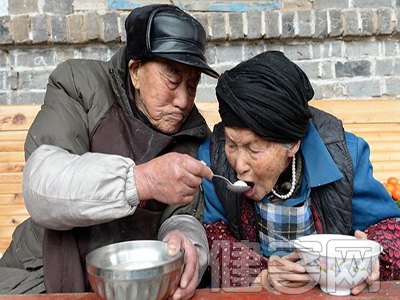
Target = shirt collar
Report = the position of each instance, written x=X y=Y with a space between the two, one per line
x=319 y=167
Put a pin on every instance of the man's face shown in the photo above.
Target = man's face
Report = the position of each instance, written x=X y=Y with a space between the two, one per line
x=257 y=161
x=164 y=91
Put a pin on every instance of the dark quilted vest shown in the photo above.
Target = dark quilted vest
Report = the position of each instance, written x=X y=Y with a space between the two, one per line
x=332 y=202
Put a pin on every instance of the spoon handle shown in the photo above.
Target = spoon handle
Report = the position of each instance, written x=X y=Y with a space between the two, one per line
x=297 y=245
x=222 y=177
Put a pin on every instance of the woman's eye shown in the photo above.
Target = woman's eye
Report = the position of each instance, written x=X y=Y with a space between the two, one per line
x=229 y=145
x=255 y=151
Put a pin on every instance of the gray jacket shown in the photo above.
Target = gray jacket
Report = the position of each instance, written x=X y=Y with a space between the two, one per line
x=65 y=185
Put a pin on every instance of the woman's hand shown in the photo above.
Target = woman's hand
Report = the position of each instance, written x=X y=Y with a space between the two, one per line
x=188 y=283
x=288 y=276
x=373 y=277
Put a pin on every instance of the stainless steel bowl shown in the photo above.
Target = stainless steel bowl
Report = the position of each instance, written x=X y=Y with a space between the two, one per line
x=134 y=270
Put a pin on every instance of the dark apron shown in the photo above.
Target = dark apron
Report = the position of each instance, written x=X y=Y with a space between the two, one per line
x=65 y=251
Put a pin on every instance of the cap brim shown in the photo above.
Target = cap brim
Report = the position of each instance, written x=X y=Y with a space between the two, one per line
x=190 y=60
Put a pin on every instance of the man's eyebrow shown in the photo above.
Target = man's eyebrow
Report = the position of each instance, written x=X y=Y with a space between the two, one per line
x=172 y=67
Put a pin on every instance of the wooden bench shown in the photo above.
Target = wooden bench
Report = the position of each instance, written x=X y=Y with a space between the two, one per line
x=378 y=121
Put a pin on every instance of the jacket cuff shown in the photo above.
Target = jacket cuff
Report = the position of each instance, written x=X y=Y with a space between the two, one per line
x=132 y=195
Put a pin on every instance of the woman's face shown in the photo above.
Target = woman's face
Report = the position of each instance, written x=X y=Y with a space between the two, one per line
x=164 y=92
x=256 y=161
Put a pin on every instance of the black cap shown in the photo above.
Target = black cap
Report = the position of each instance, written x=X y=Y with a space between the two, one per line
x=168 y=32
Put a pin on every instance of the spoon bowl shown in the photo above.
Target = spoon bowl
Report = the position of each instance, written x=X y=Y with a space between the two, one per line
x=237 y=187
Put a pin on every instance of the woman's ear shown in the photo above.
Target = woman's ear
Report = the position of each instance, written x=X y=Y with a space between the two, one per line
x=133 y=66
x=295 y=147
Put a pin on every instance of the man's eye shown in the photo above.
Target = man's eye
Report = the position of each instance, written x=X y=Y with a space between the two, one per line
x=172 y=85
x=173 y=81
x=192 y=89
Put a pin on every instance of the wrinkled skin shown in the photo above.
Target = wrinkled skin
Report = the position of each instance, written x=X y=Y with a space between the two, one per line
x=256 y=161
x=260 y=162
x=165 y=92
x=172 y=178
x=188 y=283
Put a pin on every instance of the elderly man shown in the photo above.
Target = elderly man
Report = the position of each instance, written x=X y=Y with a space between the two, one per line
x=111 y=154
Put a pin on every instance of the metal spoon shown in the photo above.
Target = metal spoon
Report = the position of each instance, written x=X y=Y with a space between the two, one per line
x=296 y=244
x=237 y=187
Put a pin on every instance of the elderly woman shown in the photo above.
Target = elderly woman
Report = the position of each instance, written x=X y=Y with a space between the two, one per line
x=307 y=176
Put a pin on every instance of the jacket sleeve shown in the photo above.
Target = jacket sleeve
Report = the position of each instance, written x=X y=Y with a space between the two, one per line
x=371 y=202
x=77 y=96
x=64 y=190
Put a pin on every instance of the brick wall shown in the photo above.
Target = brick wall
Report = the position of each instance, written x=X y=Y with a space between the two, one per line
x=349 y=49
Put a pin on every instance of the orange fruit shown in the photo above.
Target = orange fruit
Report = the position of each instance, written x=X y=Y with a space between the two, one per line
x=389 y=187
x=393 y=181
x=396 y=194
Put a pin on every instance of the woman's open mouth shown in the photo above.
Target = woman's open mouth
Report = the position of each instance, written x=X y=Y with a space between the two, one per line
x=251 y=184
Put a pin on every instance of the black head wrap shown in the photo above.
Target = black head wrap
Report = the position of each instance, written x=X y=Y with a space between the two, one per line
x=268 y=94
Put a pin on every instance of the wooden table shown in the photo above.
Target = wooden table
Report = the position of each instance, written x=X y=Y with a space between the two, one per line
x=389 y=290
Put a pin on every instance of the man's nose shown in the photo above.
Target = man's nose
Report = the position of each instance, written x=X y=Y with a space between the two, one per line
x=182 y=96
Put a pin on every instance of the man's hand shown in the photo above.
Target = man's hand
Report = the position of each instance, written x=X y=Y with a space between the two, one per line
x=373 y=277
x=172 y=178
x=188 y=283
